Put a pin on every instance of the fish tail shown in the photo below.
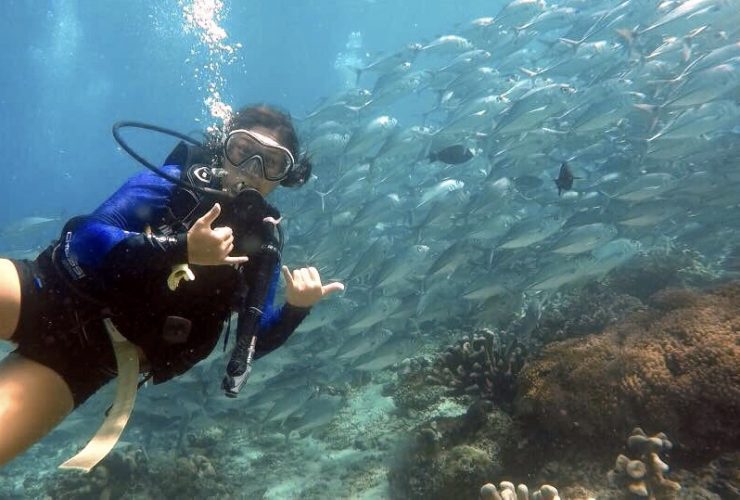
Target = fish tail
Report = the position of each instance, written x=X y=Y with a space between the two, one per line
x=322 y=196
x=678 y=79
x=628 y=35
x=573 y=44
x=530 y=73
x=649 y=108
x=653 y=110
x=606 y=195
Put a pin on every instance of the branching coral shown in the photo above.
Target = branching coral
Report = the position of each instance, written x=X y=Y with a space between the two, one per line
x=485 y=365
x=482 y=367
x=643 y=476
x=521 y=492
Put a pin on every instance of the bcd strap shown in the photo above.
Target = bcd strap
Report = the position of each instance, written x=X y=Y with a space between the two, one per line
x=127 y=361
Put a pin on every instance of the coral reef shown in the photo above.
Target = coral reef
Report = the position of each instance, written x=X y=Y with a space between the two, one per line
x=583 y=311
x=207 y=438
x=675 y=367
x=412 y=392
x=449 y=457
x=521 y=492
x=643 y=475
x=648 y=273
x=133 y=474
x=719 y=479
x=485 y=365
x=481 y=367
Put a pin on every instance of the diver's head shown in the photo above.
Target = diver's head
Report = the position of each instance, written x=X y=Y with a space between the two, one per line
x=259 y=149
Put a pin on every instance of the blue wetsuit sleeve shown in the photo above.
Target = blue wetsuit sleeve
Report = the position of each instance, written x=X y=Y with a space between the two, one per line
x=276 y=325
x=270 y=315
x=112 y=242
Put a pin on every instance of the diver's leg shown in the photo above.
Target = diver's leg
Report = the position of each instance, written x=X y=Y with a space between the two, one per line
x=10 y=299
x=33 y=400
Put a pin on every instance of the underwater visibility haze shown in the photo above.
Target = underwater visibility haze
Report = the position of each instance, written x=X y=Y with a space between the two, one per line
x=534 y=207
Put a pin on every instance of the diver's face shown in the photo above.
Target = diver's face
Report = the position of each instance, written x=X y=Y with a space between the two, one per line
x=238 y=178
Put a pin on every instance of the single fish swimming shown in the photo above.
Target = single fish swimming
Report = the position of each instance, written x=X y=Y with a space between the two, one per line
x=452 y=155
x=564 y=182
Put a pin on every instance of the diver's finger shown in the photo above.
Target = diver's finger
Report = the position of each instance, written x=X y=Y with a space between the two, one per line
x=225 y=244
x=306 y=275
x=297 y=276
x=286 y=275
x=331 y=288
x=210 y=216
x=314 y=273
x=236 y=260
x=223 y=231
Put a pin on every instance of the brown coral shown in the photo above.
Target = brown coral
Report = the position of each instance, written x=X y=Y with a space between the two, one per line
x=676 y=368
x=643 y=476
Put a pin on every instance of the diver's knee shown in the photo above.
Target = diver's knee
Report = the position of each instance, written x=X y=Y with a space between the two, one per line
x=33 y=400
x=10 y=299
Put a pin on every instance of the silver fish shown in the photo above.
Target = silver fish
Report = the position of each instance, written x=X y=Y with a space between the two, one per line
x=533 y=108
x=584 y=238
x=446 y=45
x=357 y=344
x=27 y=225
x=317 y=413
x=646 y=187
x=439 y=190
x=399 y=267
x=704 y=86
x=390 y=352
x=373 y=313
x=366 y=141
x=531 y=231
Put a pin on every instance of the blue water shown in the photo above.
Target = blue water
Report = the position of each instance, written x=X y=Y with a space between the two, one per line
x=72 y=68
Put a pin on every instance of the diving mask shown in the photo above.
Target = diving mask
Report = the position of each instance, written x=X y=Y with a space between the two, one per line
x=252 y=151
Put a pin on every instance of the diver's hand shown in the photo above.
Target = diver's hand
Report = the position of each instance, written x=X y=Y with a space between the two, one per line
x=209 y=246
x=303 y=288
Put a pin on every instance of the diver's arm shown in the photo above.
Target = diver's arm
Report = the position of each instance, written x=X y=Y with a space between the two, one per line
x=113 y=242
x=288 y=319
x=277 y=325
x=146 y=251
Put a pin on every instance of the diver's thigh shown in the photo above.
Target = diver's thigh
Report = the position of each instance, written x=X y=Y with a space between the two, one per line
x=10 y=299
x=33 y=400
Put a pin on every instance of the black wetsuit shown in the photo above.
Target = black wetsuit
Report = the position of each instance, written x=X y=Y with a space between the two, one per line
x=108 y=264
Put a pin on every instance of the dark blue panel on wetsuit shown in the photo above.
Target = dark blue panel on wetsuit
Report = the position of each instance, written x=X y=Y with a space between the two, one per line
x=142 y=200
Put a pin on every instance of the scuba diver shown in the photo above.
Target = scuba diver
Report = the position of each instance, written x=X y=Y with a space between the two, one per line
x=150 y=278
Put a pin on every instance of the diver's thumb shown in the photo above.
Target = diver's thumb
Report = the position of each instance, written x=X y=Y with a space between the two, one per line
x=210 y=216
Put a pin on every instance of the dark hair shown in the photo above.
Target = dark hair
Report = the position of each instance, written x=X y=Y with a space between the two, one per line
x=272 y=118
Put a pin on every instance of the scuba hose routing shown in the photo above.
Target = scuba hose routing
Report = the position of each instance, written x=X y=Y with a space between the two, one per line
x=215 y=193
x=245 y=213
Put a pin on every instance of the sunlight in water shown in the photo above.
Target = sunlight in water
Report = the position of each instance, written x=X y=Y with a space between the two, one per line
x=202 y=18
